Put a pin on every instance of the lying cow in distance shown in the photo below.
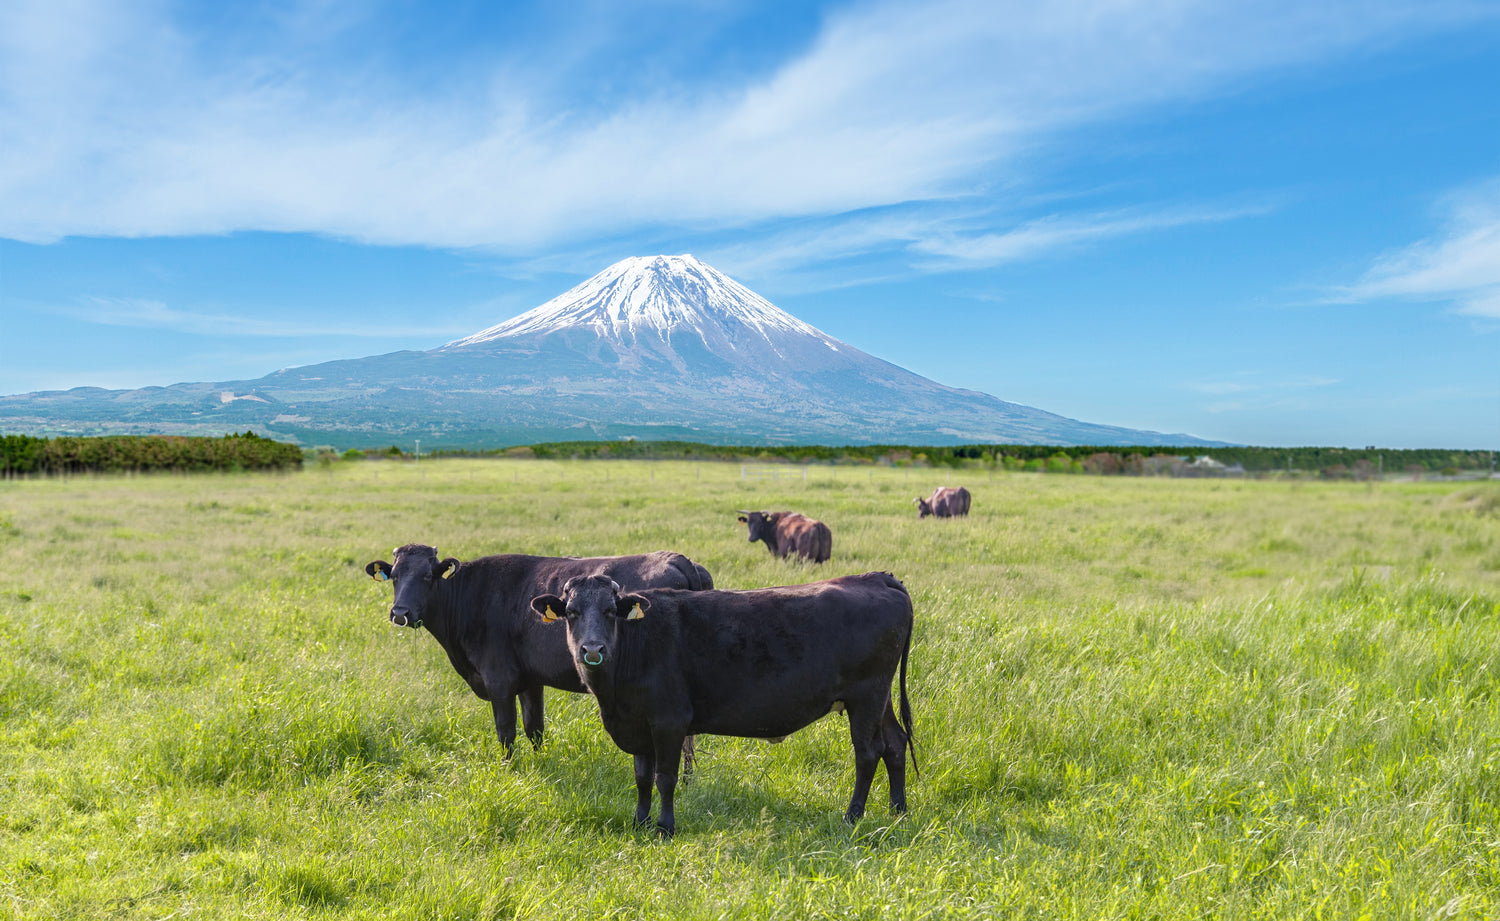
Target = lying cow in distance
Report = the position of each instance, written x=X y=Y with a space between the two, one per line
x=479 y=612
x=945 y=502
x=758 y=664
x=789 y=532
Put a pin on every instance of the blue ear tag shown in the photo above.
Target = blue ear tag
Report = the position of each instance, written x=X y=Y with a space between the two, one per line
x=381 y=576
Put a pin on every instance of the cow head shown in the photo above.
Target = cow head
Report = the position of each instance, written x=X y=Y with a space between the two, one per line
x=593 y=609
x=924 y=508
x=416 y=568
x=759 y=524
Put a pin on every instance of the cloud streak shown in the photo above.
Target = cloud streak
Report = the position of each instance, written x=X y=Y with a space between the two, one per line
x=1462 y=264
x=1253 y=390
x=1036 y=238
x=144 y=313
x=124 y=121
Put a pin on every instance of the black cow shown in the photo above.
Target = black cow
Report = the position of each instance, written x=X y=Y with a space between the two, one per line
x=945 y=502
x=759 y=664
x=790 y=532
x=479 y=612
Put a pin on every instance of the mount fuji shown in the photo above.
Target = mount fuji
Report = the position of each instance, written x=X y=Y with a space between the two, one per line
x=652 y=347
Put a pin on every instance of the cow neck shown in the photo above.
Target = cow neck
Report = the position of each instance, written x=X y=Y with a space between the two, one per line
x=773 y=535
x=601 y=684
x=442 y=620
x=622 y=669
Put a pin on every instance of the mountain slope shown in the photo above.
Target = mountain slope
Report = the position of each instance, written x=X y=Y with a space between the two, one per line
x=654 y=347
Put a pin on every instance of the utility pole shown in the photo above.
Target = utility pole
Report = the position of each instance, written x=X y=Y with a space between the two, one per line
x=418 y=455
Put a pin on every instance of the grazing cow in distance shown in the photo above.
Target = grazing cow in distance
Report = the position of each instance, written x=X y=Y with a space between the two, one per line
x=790 y=532
x=479 y=612
x=945 y=502
x=756 y=664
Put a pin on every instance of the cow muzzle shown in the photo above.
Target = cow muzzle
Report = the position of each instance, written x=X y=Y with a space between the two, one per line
x=592 y=656
x=405 y=619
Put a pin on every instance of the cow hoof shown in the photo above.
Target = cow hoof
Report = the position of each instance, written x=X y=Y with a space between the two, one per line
x=854 y=815
x=664 y=832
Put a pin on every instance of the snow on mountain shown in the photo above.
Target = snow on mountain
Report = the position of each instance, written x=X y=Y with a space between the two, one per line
x=662 y=298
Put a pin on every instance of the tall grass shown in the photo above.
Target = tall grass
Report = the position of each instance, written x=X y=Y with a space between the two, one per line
x=1135 y=698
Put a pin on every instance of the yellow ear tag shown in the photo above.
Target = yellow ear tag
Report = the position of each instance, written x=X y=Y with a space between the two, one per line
x=380 y=576
x=635 y=614
x=549 y=615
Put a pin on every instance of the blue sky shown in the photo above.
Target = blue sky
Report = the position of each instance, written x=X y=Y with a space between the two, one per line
x=1272 y=222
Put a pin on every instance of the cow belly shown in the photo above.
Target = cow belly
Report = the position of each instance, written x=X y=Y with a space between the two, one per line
x=775 y=732
x=632 y=738
x=769 y=720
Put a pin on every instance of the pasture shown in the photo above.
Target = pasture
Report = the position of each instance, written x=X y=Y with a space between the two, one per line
x=1133 y=698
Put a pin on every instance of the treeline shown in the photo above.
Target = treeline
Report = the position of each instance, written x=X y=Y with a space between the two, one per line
x=1137 y=460
x=23 y=454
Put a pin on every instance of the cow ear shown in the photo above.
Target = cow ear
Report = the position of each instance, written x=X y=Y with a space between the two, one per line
x=631 y=607
x=448 y=568
x=379 y=570
x=744 y=520
x=548 y=607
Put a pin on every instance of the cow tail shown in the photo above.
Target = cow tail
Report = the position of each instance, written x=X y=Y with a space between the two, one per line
x=911 y=739
x=705 y=580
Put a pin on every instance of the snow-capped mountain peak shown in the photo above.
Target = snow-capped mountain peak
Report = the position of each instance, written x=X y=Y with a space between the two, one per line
x=660 y=298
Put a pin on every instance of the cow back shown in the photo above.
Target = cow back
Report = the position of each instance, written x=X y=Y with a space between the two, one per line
x=950 y=501
x=807 y=537
x=761 y=663
x=493 y=638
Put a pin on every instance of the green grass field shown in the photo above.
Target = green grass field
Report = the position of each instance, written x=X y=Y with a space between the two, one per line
x=1134 y=698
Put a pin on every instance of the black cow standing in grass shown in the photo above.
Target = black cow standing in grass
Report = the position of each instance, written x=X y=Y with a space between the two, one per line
x=790 y=532
x=945 y=502
x=479 y=612
x=758 y=664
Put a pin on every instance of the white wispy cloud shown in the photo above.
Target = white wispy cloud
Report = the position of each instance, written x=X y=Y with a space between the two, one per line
x=145 y=313
x=1462 y=264
x=1035 y=238
x=1253 y=383
x=120 y=120
x=1258 y=390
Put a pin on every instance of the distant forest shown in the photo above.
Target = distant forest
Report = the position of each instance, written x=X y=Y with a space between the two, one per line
x=23 y=454
x=1332 y=463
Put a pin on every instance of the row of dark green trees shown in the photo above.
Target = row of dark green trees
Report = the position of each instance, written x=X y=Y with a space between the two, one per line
x=1141 y=460
x=23 y=454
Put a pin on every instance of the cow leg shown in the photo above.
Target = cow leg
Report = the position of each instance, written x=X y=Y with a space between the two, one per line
x=531 y=714
x=645 y=772
x=504 y=706
x=689 y=752
x=668 y=752
x=893 y=754
x=864 y=735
